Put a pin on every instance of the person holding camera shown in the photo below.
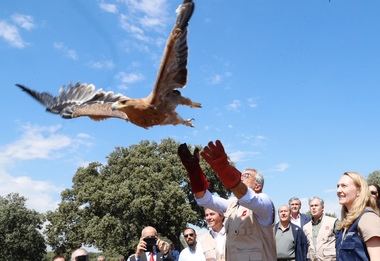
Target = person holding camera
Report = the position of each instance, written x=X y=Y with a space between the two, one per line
x=151 y=248
x=80 y=254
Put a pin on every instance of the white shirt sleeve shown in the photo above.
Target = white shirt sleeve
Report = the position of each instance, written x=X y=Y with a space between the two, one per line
x=260 y=204
x=213 y=202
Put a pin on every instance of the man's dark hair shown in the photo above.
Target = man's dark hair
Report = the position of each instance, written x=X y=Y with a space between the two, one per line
x=58 y=256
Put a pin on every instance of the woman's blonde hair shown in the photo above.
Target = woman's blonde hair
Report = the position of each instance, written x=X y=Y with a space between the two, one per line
x=360 y=203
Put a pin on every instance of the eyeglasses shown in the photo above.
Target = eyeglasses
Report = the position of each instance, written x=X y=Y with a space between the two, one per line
x=188 y=235
x=246 y=175
x=373 y=192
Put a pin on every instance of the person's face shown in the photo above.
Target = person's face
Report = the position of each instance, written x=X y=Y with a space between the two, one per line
x=347 y=192
x=59 y=259
x=373 y=191
x=295 y=206
x=284 y=213
x=214 y=219
x=101 y=258
x=316 y=208
x=249 y=179
x=190 y=237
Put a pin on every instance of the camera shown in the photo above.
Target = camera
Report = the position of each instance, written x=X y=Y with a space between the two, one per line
x=150 y=243
x=81 y=258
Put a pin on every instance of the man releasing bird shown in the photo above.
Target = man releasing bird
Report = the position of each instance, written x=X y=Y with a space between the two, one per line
x=158 y=108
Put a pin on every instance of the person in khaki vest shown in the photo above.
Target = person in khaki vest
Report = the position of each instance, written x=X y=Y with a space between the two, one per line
x=320 y=233
x=249 y=214
x=214 y=241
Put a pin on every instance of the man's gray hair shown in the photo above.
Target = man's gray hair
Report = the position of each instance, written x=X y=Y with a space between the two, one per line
x=318 y=198
x=293 y=199
x=260 y=178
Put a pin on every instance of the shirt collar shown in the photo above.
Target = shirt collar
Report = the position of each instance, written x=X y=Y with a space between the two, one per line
x=221 y=232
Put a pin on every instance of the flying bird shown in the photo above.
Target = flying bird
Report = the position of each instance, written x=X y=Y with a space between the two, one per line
x=158 y=108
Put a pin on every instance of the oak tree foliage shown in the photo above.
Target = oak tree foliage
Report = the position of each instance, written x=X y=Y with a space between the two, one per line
x=374 y=177
x=140 y=185
x=20 y=237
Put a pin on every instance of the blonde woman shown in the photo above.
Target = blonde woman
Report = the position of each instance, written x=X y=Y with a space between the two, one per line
x=359 y=230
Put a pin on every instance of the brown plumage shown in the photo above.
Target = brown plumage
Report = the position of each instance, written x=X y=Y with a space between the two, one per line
x=158 y=108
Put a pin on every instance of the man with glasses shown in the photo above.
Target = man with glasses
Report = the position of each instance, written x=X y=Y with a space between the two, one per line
x=374 y=189
x=249 y=214
x=193 y=251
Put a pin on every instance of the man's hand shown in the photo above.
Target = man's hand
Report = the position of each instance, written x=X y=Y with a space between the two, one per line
x=163 y=246
x=141 y=247
x=198 y=181
x=215 y=155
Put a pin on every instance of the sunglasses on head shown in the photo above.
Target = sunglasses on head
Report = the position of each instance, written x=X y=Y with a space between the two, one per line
x=188 y=235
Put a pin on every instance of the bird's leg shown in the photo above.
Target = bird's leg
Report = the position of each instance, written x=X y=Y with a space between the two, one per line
x=188 y=102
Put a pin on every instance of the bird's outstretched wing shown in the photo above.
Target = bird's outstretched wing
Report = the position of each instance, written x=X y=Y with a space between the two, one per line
x=78 y=100
x=172 y=73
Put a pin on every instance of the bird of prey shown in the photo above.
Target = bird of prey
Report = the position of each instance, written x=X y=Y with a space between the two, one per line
x=158 y=108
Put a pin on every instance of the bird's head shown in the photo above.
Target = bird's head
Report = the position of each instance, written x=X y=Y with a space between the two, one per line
x=122 y=103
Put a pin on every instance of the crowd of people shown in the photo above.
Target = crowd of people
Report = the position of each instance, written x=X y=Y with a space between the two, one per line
x=250 y=232
x=243 y=226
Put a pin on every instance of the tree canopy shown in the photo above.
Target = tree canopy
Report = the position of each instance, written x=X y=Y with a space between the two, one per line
x=374 y=177
x=108 y=205
x=20 y=238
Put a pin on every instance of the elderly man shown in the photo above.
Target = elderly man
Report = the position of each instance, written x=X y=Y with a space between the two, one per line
x=80 y=254
x=249 y=215
x=320 y=233
x=150 y=247
x=291 y=242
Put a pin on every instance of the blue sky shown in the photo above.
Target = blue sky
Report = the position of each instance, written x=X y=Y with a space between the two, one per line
x=290 y=87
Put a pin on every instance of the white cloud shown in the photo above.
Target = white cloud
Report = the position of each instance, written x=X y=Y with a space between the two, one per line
x=216 y=79
x=136 y=31
x=11 y=35
x=234 y=105
x=252 y=103
x=154 y=9
x=281 y=167
x=70 y=53
x=241 y=156
x=23 y=21
x=110 y=8
x=106 y=64
x=142 y=16
x=36 y=142
x=129 y=78
x=38 y=193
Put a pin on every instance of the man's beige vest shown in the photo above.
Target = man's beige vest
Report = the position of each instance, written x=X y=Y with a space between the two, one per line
x=325 y=243
x=246 y=238
x=208 y=244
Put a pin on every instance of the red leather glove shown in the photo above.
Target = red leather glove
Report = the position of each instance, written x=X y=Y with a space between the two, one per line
x=198 y=181
x=215 y=155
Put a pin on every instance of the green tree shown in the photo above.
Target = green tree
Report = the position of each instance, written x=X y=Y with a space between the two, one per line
x=108 y=206
x=20 y=238
x=374 y=177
